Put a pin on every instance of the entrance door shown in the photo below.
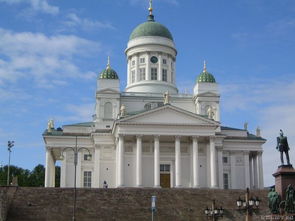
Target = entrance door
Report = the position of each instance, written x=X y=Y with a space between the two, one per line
x=165 y=180
x=165 y=175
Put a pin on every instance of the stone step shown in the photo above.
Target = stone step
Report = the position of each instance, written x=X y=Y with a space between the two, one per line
x=56 y=204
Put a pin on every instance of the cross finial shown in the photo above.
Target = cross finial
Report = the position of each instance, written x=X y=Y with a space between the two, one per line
x=108 y=64
x=151 y=7
x=205 y=66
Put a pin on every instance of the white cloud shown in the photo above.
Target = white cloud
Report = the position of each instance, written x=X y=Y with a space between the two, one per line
x=273 y=102
x=36 y=5
x=77 y=113
x=48 y=60
x=74 y=21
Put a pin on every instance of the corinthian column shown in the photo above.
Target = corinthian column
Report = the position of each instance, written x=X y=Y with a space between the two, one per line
x=156 y=162
x=138 y=161
x=213 y=163
x=177 y=162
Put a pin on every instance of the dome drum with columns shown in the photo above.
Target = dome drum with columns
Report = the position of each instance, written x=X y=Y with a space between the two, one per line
x=150 y=135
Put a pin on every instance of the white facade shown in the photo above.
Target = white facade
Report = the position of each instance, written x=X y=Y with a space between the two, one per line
x=137 y=139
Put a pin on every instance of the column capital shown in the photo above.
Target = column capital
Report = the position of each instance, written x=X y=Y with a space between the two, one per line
x=246 y=152
x=156 y=137
x=195 y=138
x=138 y=136
x=177 y=137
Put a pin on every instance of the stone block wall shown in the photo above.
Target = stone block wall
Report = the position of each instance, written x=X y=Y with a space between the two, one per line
x=56 y=204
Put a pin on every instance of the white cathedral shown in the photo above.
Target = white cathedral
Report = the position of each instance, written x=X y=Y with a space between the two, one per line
x=151 y=135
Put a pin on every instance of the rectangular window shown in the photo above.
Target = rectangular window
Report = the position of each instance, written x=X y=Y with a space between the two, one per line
x=165 y=167
x=87 y=179
x=225 y=181
x=164 y=61
x=133 y=63
x=132 y=76
x=87 y=157
x=142 y=60
x=154 y=75
x=142 y=74
x=164 y=75
x=225 y=160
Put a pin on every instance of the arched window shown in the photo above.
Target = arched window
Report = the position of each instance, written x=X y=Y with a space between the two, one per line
x=108 y=110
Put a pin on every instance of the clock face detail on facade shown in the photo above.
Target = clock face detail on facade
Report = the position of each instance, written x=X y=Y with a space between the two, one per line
x=154 y=59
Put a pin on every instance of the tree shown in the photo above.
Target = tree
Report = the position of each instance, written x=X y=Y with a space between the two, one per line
x=34 y=178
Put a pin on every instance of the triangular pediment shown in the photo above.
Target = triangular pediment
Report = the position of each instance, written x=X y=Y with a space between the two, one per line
x=208 y=94
x=169 y=114
x=107 y=91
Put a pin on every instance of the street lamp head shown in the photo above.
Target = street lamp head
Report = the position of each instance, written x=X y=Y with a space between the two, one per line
x=10 y=144
x=206 y=211
x=257 y=201
x=221 y=211
x=251 y=202
x=239 y=202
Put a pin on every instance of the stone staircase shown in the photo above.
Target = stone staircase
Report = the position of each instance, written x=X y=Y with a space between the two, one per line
x=56 y=204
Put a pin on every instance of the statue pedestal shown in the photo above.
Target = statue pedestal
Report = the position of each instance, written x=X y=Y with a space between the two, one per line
x=284 y=176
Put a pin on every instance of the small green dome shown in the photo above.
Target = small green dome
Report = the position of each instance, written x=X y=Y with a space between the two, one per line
x=108 y=73
x=206 y=77
x=151 y=28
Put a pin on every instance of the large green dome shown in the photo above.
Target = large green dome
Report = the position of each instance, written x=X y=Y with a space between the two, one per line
x=151 y=28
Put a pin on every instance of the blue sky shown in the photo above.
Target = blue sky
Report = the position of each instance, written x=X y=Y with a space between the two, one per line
x=52 y=51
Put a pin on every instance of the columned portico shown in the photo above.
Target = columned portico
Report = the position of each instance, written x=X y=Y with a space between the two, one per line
x=120 y=161
x=177 y=162
x=196 y=183
x=49 y=169
x=138 y=160
x=213 y=163
x=156 y=162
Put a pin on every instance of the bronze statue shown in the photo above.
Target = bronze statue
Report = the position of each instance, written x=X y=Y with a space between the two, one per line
x=282 y=146
x=274 y=200
x=290 y=197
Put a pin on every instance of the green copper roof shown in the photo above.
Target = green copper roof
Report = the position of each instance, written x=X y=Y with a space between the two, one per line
x=206 y=77
x=108 y=73
x=151 y=28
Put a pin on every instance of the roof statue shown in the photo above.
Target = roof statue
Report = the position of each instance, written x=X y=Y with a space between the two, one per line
x=122 y=110
x=166 y=97
x=210 y=112
x=50 y=125
x=282 y=146
x=246 y=126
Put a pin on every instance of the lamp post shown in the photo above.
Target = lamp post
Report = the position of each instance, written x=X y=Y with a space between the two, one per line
x=213 y=212
x=76 y=150
x=10 y=144
x=248 y=205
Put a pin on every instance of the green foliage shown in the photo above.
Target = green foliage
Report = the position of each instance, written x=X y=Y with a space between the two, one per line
x=26 y=177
